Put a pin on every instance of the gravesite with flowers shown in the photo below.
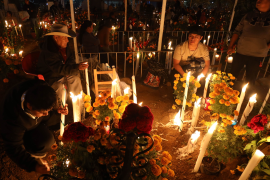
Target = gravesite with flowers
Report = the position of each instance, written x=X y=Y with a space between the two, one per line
x=135 y=90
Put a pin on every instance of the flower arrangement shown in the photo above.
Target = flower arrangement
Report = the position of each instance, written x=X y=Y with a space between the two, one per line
x=179 y=88
x=257 y=123
x=105 y=108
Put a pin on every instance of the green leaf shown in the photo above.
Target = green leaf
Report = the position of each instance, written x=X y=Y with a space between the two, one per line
x=267 y=171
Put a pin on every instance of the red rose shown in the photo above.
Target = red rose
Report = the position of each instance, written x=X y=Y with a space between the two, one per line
x=91 y=131
x=258 y=122
x=77 y=131
x=127 y=124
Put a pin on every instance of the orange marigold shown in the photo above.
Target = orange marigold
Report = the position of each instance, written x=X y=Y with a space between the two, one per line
x=165 y=161
x=156 y=170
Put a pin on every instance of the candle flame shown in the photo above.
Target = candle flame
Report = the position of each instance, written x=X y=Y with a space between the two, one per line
x=177 y=119
x=20 y=52
x=209 y=76
x=75 y=98
x=230 y=58
x=259 y=153
x=195 y=136
x=200 y=76
x=140 y=104
x=197 y=103
x=245 y=88
x=253 y=98
x=138 y=55
x=67 y=162
x=215 y=49
x=6 y=49
x=126 y=91
x=188 y=75
x=131 y=38
x=208 y=36
x=212 y=128
x=20 y=25
x=114 y=82
x=204 y=41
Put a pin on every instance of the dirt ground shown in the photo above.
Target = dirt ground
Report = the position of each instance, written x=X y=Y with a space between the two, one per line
x=160 y=102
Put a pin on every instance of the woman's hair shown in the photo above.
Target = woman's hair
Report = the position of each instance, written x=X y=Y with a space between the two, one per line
x=84 y=26
x=41 y=97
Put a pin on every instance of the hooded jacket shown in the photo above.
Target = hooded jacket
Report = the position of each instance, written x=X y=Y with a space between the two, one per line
x=51 y=63
x=14 y=122
x=254 y=34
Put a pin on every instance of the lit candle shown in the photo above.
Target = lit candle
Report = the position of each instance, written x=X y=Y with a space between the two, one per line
x=130 y=42
x=87 y=80
x=192 y=141
x=6 y=22
x=20 y=53
x=214 y=56
x=62 y=124
x=198 y=79
x=208 y=40
x=140 y=104
x=76 y=102
x=177 y=120
x=195 y=116
x=15 y=27
x=170 y=60
x=137 y=63
x=264 y=102
x=107 y=128
x=204 y=41
x=113 y=93
x=206 y=87
x=242 y=96
x=217 y=56
x=184 y=101
x=45 y=26
x=204 y=145
x=169 y=46
x=230 y=59
x=20 y=26
x=6 y=50
x=135 y=45
x=134 y=90
x=252 y=101
x=126 y=91
x=253 y=162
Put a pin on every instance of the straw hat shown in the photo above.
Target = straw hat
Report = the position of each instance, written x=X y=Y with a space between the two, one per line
x=61 y=30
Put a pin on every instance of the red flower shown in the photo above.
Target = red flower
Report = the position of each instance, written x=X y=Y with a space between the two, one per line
x=258 y=122
x=137 y=117
x=77 y=132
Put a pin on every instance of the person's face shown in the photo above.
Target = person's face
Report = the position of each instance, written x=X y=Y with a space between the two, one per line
x=90 y=29
x=194 y=39
x=61 y=41
x=263 y=5
x=38 y=113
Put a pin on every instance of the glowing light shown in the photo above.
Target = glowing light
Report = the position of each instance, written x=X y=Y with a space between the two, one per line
x=212 y=128
x=140 y=104
x=126 y=91
x=195 y=136
x=200 y=76
x=177 y=120
x=253 y=98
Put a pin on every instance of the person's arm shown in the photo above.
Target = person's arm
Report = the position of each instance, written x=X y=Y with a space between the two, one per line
x=206 y=68
x=177 y=66
x=233 y=41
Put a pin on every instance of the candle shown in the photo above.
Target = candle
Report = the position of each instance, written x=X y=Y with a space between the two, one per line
x=206 y=87
x=242 y=96
x=204 y=41
x=87 y=80
x=137 y=63
x=6 y=50
x=192 y=141
x=76 y=102
x=45 y=26
x=20 y=26
x=130 y=42
x=177 y=120
x=230 y=59
x=20 y=53
x=135 y=45
x=15 y=27
x=204 y=145
x=140 y=104
x=217 y=56
x=107 y=128
x=148 y=36
x=214 y=56
x=113 y=93
x=6 y=22
x=62 y=124
x=208 y=40
x=195 y=116
x=253 y=162
x=184 y=101
x=198 y=79
x=134 y=89
x=252 y=101
x=126 y=91
x=169 y=46
x=264 y=102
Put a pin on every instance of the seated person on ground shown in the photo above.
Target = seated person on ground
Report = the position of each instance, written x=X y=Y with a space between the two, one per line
x=24 y=119
x=56 y=62
x=192 y=55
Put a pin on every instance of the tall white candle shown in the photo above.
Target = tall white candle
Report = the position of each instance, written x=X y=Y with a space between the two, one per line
x=126 y=91
x=198 y=79
x=113 y=92
x=62 y=124
x=264 y=102
x=87 y=81
x=204 y=145
x=177 y=120
x=137 y=63
x=135 y=45
x=170 y=44
x=20 y=26
x=184 y=101
x=195 y=116
x=148 y=36
x=76 y=102
x=214 y=56
x=130 y=42
x=230 y=59
x=208 y=39
x=170 y=61
x=253 y=162
x=252 y=101
x=192 y=141
x=15 y=27
x=20 y=53
x=204 y=41
x=206 y=87
x=134 y=89
x=242 y=96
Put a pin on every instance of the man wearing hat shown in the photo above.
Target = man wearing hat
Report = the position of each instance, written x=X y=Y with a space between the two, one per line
x=192 y=55
x=57 y=63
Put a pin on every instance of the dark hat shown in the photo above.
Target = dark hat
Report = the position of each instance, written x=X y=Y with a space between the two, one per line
x=196 y=30
x=61 y=30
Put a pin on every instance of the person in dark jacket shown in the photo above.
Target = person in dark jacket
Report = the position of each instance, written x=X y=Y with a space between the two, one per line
x=254 y=41
x=25 y=115
x=55 y=9
x=87 y=39
x=57 y=64
x=32 y=11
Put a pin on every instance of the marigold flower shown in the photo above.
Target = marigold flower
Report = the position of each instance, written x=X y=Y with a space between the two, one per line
x=119 y=98
x=90 y=148
x=197 y=84
x=231 y=83
x=126 y=98
x=117 y=116
x=111 y=100
x=184 y=85
x=16 y=71
x=223 y=84
x=87 y=98
x=54 y=147
x=121 y=109
x=232 y=78
x=218 y=72
x=102 y=102
x=103 y=142
x=95 y=104
x=164 y=170
x=175 y=82
x=182 y=79
x=8 y=62
x=152 y=161
x=107 y=118
x=221 y=130
x=97 y=136
x=236 y=93
x=73 y=172
x=188 y=104
x=212 y=101
x=97 y=112
x=5 y=80
x=229 y=117
x=156 y=170
x=239 y=168
x=177 y=75
x=167 y=155
x=158 y=147
x=165 y=161
x=212 y=95
x=178 y=101
x=232 y=171
x=101 y=160
x=111 y=106
x=87 y=105
x=173 y=107
x=123 y=104
x=157 y=137
x=244 y=138
x=191 y=78
x=171 y=173
x=210 y=108
x=164 y=178
x=227 y=103
x=175 y=87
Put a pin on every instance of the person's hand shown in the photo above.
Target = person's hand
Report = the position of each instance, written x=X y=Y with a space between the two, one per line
x=63 y=110
x=230 y=50
x=42 y=168
x=83 y=65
